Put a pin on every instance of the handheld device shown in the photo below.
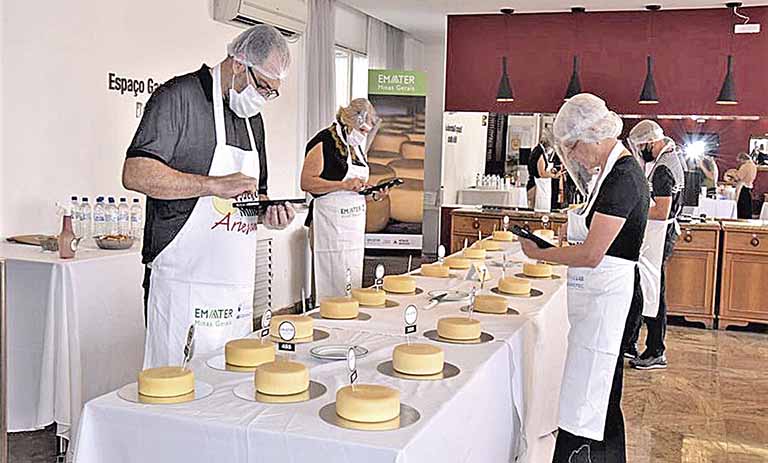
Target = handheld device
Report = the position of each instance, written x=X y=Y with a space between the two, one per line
x=381 y=186
x=523 y=233
x=254 y=207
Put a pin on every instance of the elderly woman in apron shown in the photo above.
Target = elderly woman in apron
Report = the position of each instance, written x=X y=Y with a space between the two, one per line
x=605 y=236
x=335 y=170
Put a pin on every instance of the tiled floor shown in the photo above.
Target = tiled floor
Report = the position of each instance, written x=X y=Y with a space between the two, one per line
x=709 y=406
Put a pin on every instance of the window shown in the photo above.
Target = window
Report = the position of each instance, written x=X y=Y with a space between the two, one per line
x=351 y=76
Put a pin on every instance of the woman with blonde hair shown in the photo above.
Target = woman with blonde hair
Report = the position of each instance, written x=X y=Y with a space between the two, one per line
x=744 y=179
x=335 y=171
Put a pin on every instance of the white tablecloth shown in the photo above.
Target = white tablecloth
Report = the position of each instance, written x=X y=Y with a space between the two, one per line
x=764 y=211
x=75 y=331
x=516 y=197
x=716 y=208
x=474 y=417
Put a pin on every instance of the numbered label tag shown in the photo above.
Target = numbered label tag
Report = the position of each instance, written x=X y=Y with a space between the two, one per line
x=352 y=365
x=506 y=222
x=379 y=276
x=266 y=319
x=287 y=332
x=440 y=253
x=411 y=315
x=466 y=241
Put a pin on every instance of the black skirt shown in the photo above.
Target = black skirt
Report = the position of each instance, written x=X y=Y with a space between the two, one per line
x=744 y=203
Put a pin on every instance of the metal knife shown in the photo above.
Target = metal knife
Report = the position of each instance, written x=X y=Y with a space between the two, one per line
x=435 y=300
x=189 y=347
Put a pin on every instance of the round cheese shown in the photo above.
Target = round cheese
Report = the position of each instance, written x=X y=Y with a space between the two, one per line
x=249 y=352
x=456 y=262
x=379 y=173
x=474 y=253
x=383 y=157
x=283 y=399
x=413 y=150
x=339 y=308
x=402 y=284
x=418 y=359
x=281 y=378
x=166 y=382
x=490 y=303
x=408 y=201
x=514 y=285
x=537 y=270
x=146 y=399
x=503 y=235
x=304 y=325
x=388 y=142
x=437 y=270
x=490 y=245
x=458 y=328
x=545 y=233
x=420 y=137
x=370 y=296
x=409 y=168
x=377 y=215
x=368 y=403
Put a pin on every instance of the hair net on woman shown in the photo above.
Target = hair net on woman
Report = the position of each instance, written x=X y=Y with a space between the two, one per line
x=360 y=112
x=584 y=118
x=645 y=132
x=263 y=48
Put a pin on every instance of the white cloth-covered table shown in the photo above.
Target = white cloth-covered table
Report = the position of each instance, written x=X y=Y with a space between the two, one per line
x=764 y=211
x=75 y=331
x=474 y=417
x=515 y=197
x=717 y=208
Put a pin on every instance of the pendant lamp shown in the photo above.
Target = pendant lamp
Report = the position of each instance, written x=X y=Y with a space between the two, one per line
x=728 y=90
x=574 y=86
x=648 y=95
x=504 y=95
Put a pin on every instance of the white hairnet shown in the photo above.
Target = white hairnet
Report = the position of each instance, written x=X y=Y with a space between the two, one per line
x=263 y=48
x=646 y=131
x=585 y=118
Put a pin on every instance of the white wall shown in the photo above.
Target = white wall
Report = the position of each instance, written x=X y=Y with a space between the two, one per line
x=464 y=159
x=69 y=131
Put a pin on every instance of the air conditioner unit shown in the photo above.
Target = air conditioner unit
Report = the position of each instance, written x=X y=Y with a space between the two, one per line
x=288 y=16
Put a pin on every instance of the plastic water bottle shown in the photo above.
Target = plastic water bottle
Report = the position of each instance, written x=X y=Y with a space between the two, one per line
x=74 y=210
x=86 y=216
x=112 y=220
x=99 y=217
x=124 y=217
x=137 y=222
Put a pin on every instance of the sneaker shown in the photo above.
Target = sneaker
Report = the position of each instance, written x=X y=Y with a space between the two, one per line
x=649 y=363
x=630 y=352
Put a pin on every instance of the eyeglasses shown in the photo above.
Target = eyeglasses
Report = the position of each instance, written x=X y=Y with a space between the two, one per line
x=266 y=91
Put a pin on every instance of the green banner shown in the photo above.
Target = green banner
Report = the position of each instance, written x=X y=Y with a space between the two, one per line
x=406 y=83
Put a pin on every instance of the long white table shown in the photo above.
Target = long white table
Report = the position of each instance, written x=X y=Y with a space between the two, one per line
x=764 y=211
x=68 y=320
x=504 y=385
x=515 y=197
x=716 y=208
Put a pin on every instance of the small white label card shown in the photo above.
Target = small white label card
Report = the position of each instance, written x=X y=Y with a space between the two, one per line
x=441 y=253
x=266 y=319
x=506 y=222
x=477 y=271
x=411 y=315
x=379 y=276
x=352 y=365
x=287 y=332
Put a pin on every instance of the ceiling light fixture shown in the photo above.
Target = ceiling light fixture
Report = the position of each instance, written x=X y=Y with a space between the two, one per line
x=648 y=94
x=504 y=94
x=728 y=90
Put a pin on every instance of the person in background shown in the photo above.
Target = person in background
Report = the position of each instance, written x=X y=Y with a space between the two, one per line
x=199 y=144
x=335 y=170
x=708 y=167
x=744 y=180
x=666 y=178
x=603 y=278
x=762 y=156
x=541 y=172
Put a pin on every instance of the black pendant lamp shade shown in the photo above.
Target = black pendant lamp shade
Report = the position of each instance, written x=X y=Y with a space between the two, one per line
x=504 y=94
x=728 y=91
x=574 y=86
x=648 y=95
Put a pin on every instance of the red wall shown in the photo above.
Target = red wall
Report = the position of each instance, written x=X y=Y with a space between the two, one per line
x=689 y=47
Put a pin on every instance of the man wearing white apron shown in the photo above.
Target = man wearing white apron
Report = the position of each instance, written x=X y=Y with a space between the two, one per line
x=190 y=156
x=335 y=170
x=541 y=175
x=666 y=180
x=602 y=275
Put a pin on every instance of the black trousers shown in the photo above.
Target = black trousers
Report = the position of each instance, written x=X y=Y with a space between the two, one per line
x=744 y=203
x=570 y=448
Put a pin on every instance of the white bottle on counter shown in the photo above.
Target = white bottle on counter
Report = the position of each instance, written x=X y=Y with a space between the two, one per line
x=124 y=217
x=74 y=211
x=112 y=227
x=137 y=219
x=99 y=217
x=86 y=218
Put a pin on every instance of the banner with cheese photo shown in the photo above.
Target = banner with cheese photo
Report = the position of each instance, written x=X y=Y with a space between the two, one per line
x=397 y=150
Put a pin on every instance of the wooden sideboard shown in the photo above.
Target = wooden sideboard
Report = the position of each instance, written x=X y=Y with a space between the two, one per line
x=744 y=293
x=691 y=275
x=465 y=223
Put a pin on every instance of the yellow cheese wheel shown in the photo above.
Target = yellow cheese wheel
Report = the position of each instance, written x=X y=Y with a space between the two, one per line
x=281 y=378
x=146 y=399
x=474 y=253
x=402 y=284
x=418 y=359
x=490 y=303
x=408 y=201
x=283 y=399
x=379 y=173
x=408 y=168
x=388 y=142
x=514 y=285
x=545 y=233
x=370 y=296
x=413 y=150
x=420 y=137
x=368 y=403
x=458 y=328
x=457 y=262
x=304 y=325
x=249 y=352
x=166 y=382
x=436 y=270
x=503 y=235
x=537 y=270
x=339 y=308
x=490 y=245
x=383 y=157
x=377 y=214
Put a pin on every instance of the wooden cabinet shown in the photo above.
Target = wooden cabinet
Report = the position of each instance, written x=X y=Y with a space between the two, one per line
x=691 y=274
x=744 y=274
x=466 y=223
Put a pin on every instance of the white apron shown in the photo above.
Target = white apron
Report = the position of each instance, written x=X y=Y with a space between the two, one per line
x=205 y=275
x=338 y=227
x=598 y=304
x=543 y=202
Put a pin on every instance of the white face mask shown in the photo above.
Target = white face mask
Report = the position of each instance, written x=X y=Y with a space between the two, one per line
x=247 y=103
x=356 y=138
